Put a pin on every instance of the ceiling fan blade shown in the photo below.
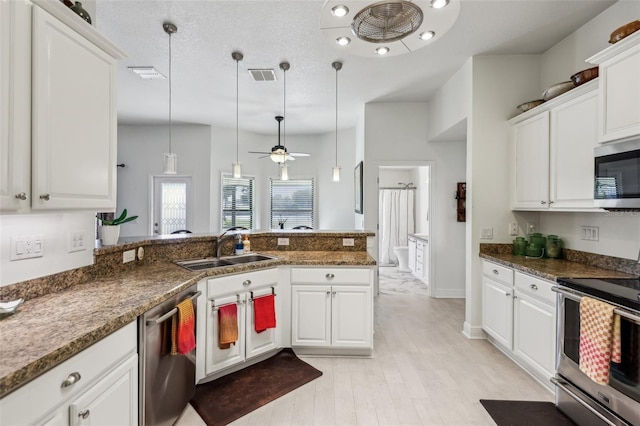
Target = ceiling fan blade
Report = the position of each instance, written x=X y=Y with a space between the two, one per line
x=259 y=152
x=299 y=154
x=290 y=158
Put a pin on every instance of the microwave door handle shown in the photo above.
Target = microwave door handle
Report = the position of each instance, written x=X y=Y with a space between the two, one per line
x=576 y=296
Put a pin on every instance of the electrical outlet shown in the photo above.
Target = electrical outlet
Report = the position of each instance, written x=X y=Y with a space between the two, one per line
x=589 y=233
x=513 y=228
x=76 y=241
x=283 y=241
x=486 y=233
x=26 y=247
x=128 y=256
x=348 y=242
x=531 y=228
x=140 y=253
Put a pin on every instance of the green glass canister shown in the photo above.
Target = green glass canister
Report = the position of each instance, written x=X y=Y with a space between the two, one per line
x=534 y=250
x=538 y=239
x=553 y=247
x=519 y=246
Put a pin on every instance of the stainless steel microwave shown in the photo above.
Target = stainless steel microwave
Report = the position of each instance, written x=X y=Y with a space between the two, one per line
x=617 y=175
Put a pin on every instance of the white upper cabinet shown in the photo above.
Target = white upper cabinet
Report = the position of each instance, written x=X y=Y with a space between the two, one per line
x=61 y=146
x=552 y=157
x=619 y=89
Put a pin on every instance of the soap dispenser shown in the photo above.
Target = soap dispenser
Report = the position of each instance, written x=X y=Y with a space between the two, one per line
x=239 y=246
x=246 y=244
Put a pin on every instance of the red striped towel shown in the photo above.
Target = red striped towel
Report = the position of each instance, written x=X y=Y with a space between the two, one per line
x=227 y=325
x=183 y=339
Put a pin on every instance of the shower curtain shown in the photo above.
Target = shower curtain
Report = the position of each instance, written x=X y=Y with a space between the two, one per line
x=396 y=215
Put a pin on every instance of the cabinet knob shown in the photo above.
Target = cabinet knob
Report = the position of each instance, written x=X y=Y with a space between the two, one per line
x=333 y=292
x=495 y=271
x=543 y=202
x=71 y=379
x=507 y=294
x=551 y=202
x=330 y=276
x=533 y=286
x=246 y=282
x=328 y=293
x=21 y=196
x=45 y=197
x=84 y=414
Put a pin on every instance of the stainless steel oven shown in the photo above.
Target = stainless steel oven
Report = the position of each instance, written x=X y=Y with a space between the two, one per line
x=583 y=400
x=617 y=175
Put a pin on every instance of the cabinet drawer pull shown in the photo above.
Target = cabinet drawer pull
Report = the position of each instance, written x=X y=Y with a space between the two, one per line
x=533 y=286
x=330 y=276
x=71 y=379
x=45 y=197
x=84 y=414
x=21 y=196
x=246 y=282
x=495 y=271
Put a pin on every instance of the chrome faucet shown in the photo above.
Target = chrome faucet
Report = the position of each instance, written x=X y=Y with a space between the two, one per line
x=220 y=239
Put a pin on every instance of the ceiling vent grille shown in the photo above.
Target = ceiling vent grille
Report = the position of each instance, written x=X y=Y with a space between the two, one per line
x=148 y=73
x=263 y=75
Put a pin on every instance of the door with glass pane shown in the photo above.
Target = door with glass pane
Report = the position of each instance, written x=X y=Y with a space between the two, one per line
x=171 y=204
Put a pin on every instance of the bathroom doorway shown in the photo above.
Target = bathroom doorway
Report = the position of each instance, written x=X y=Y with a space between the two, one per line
x=403 y=210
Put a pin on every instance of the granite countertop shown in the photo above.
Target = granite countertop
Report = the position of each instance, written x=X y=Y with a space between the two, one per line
x=50 y=329
x=552 y=269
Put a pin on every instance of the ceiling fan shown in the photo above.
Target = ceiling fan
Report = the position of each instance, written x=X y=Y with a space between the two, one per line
x=279 y=153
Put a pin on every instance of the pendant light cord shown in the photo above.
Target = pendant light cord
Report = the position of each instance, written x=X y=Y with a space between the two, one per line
x=237 y=66
x=170 y=94
x=336 y=117
x=284 y=111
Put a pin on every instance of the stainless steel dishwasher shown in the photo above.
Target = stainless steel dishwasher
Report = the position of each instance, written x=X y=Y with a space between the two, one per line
x=167 y=382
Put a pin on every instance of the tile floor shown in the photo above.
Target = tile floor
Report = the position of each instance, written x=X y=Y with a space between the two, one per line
x=425 y=372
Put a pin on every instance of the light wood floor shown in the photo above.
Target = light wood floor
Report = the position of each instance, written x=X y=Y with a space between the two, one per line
x=425 y=372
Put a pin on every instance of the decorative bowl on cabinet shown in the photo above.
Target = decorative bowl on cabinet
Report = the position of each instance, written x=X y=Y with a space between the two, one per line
x=557 y=89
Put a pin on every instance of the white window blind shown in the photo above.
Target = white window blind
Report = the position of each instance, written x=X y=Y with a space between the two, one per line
x=292 y=203
x=237 y=202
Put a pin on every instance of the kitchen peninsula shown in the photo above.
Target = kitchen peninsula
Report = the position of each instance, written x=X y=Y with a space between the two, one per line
x=66 y=313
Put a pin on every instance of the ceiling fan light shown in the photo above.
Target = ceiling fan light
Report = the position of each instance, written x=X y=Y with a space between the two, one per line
x=382 y=50
x=278 y=157
x=237 y=170
x=343 y=41
x=284 y=172
x=170 y=163
x=427 y=35
x=439 y=4
x=336 y=174
x=339 y=11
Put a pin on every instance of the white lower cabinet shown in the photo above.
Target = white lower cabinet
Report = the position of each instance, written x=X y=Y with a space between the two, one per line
x=519 y=315
x=332 y=308
x=98 y=386
x=239 y=289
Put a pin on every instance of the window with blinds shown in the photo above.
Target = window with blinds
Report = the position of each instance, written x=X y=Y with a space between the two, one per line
x=237 y=202
x=292 y=203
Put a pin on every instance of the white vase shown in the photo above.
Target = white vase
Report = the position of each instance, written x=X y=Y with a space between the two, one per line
x=110 y=234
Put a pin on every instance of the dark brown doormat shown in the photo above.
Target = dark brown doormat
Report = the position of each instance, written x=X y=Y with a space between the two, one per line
x=525 y=413
x=230 y=397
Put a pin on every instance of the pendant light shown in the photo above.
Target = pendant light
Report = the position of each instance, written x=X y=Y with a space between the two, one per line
x=284 y=168
x=237 y=168
x=336 y=169
x=170 y=158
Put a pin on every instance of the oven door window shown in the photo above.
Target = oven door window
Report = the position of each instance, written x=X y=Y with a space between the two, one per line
x=625 y=376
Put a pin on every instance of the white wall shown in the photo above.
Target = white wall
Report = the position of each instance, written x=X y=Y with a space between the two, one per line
x=54 y=229
x=569 y=55
x=451 y=104
x=422 y=178
x=141 y=149
x=403 y=126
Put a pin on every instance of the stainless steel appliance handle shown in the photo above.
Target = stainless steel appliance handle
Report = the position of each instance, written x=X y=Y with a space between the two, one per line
x=577 y=295
x=562 y=385
x=171 y=313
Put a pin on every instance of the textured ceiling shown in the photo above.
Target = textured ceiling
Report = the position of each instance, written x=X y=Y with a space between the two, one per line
x=269 y=32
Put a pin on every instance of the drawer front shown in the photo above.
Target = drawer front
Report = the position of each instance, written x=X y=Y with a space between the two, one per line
x=241 y=282
x=330 y=276
x=536 y=287
x=498 y=272
x=89 y=365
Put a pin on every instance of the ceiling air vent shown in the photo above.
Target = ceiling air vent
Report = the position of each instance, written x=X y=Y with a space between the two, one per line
x=263 y=75
x=148 y=73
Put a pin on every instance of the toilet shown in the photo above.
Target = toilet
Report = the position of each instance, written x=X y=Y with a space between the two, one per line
x=402 y=253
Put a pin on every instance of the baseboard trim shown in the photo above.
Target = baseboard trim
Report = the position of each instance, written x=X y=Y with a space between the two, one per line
x=473 y=332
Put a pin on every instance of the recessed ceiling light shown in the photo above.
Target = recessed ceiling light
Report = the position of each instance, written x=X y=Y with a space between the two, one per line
x=147 y=73
x=427 y=35
x=382 y=50
x=343 y=41
x=439 y=4
x=339 y=11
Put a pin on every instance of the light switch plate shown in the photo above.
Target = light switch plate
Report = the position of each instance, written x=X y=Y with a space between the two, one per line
x=513 y=228
x=128 y=256
x=283 y=241
x=348 y=242
x=27 y=247
x=486 y=233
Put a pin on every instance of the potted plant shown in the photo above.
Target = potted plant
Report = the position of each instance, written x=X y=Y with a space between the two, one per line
x=110 y=230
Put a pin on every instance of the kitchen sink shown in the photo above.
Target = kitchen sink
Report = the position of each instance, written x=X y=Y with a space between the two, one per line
x=217 y=262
